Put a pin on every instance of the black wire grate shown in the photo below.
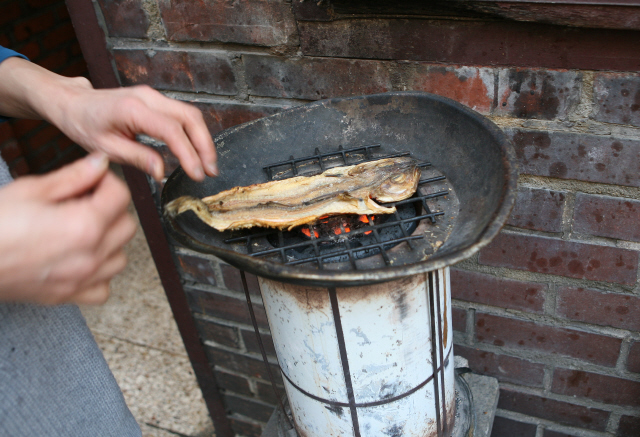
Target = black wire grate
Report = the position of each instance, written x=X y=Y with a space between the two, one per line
x=314 y=248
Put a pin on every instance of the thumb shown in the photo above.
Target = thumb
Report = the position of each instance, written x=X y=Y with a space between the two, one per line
x=74 y=179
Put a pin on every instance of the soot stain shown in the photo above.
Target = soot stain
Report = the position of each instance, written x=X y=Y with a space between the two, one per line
x=335 y=410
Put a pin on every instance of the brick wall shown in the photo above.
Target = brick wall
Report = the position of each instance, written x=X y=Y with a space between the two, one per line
x=42 y=31
x=551 y=308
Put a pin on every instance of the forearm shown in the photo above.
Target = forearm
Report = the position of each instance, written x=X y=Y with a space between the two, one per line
x=29 y=91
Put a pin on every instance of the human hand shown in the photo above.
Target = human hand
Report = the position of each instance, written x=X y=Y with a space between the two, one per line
x=109 y=120
x=64 y=234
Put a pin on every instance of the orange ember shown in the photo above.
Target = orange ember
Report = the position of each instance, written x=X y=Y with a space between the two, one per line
x=367 y=232
x=307 y=232
x=364 y=219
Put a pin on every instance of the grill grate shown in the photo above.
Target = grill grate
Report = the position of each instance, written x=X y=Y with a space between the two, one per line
x=318 y=254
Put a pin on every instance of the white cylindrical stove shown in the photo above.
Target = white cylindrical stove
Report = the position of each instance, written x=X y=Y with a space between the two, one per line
x=373 y=360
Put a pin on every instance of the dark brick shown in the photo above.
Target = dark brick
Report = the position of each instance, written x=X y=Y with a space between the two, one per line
x=315 y=79
x=233 y=281
x=6 y=132
x=177 y=70
x=10 y=13
x=75 y=69
x=564 y=258
x=125 y=18
x=220 y=116
x=236 y=384
x=266 y=393
x=54 y=61
x=583 y=157
x=33 y=25
x=502 y=331
x=555 y=411
x=36 y=4
x=19 y=167
x=228 y=308
x=500 y=292
x=59 y=36
x=459 y=316
x=617 y=98
x=503 y=427
x=538 y=209
x=244 y=428
x=197 y=269
x=470 y=86
x=249 y=408
x=39 y=163
x=542 y=94
x=503 y=367
x=11 y=150
x=237 y=363
x=605 y=216
x=592 y=306
x=601 y=388
x=24 y=126
x=633 y=362
x=42 y=137
x=221 y=334
x=31 y=50
x=629 y=427
x=263 y=23
x=251 y=342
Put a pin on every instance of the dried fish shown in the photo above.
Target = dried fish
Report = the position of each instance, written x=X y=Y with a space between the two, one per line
x=296 y=201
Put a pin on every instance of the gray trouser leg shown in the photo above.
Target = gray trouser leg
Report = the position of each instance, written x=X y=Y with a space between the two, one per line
x=54 y=380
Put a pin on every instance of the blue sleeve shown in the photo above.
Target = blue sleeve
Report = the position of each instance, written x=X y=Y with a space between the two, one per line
x=4 y=54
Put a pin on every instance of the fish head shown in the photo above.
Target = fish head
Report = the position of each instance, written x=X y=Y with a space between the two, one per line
x=400 y=181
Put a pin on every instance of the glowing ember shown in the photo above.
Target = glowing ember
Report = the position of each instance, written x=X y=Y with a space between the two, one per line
x=364 y=219
x=367 y=232
x=307 y=232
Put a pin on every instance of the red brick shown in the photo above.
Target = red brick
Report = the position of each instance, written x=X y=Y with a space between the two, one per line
x=233 y=280
x=224 y=307
x=75 y=69
x=552 y=410
x=24 y=126
x=54 y=61
x=520 y=334
x=470 y=86
x=42 y=137
x=237 y=363
x=564 y=258
x=601 y=388
x=221 y=334
x=251 y=342
x=583 y=157
x=197 y=269
x=605 y=216
x=249 y=408
x=31 y=50
x=64 y=143
x=617 y=98
x=220 y=116
x=177 y=70
x=315 y=79
x=125 y=18
x=263 y=23
x=503 y=427
x=538 y=209
x=459 y=322
x=500 y=292
x=4 y=40
x=19 y=167
x=266 y=393
x=6 y=132
x=33 y=25
x=542 y=94
x=505 y=368
x=633 y=361
x=606 y=309
x=11 y=150
x=629 y=427
x=59 y=36
x=171 y=162
x=10 y=13
x=36 y=4
x=236 y=384
x=245 y=428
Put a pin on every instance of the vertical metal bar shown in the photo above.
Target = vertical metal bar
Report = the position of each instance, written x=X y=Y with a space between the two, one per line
x=261 y=346
x=333 y=297
x=442 y=346
x=434 y=354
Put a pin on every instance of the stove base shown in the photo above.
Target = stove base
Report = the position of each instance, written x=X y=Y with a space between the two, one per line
x=476 y=403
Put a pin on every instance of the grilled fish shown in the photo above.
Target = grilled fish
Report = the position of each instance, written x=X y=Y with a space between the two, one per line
x=296 y=201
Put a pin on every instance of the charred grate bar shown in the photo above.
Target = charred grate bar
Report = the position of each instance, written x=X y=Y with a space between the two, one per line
x=316 y=244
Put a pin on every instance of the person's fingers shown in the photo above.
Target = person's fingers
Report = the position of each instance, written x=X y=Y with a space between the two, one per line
x=119 y=234
x=70 y=181
x=171 y=132
x=96 y=294
x=107 y=270
x=123 y=150
x=106 y=204
x=193 y=124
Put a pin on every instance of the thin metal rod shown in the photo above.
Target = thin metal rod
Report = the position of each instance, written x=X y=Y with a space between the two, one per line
x=261 y=346
x=434 y=354
x=442 y=346
x=333 y=297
